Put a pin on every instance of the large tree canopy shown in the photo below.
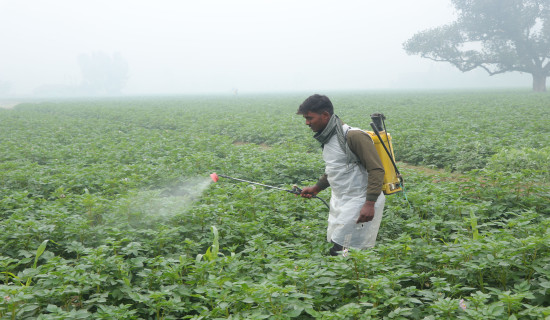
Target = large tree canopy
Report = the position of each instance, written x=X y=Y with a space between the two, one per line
x=496 y=35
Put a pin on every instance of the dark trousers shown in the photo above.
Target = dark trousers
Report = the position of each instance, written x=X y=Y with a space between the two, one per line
x=335 y=248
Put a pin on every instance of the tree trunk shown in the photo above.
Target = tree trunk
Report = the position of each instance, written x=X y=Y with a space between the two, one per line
x=539 y=82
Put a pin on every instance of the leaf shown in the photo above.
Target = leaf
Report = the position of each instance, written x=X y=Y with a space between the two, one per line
x=27 y=308
x=248 y=300
x=216 y=244
x=473 y=224
x=40 y=251
x=313 y=313
x=52 y=308
x=135 y=296
x=296 y=311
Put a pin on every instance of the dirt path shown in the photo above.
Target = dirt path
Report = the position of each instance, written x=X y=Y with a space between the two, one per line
x=432 y=172
x=441 y=175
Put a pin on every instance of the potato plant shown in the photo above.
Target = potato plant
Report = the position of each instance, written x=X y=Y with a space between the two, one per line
x=107 y=210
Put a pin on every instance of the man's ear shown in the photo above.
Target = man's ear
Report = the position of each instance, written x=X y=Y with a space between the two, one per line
x=326 y=116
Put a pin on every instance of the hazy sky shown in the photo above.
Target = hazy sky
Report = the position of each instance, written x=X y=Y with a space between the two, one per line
x=217 y=45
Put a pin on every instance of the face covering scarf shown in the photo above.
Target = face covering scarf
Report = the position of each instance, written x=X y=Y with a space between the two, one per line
x=334 y=126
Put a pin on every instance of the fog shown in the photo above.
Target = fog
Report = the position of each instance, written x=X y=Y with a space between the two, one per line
x=222 y=46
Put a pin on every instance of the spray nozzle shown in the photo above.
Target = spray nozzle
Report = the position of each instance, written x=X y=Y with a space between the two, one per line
x=214 y=177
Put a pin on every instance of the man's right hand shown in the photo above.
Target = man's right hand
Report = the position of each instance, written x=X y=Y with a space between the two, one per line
x=309 y=192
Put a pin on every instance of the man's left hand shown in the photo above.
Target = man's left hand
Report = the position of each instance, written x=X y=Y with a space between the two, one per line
x=367 y=212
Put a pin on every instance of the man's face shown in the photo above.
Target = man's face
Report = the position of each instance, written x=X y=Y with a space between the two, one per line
x=317 y=121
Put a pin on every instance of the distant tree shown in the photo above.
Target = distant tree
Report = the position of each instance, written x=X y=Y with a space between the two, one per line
x=103 y=74
x=496 y=35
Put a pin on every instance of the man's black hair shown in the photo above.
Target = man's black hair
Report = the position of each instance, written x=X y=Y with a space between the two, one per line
x=316 y=103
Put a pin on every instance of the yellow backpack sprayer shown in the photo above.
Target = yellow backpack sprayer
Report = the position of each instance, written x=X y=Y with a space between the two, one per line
x=393 y=181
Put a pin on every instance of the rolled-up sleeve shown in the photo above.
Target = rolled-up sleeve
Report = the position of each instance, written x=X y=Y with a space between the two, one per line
x=323 y=182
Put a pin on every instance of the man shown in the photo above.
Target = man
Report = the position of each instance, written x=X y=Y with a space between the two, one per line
x=354 y=172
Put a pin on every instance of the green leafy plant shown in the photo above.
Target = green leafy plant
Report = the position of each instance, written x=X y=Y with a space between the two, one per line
x=116 y=185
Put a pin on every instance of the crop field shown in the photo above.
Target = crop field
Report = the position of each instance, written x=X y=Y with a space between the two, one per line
x=107 y=210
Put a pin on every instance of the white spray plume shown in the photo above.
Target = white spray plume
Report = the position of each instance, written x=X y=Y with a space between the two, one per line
x=167 y=202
